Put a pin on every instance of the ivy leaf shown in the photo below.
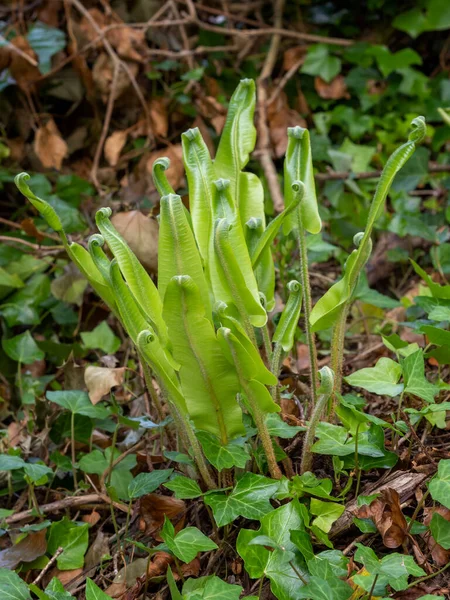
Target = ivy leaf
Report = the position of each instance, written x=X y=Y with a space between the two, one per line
x=234 y=454
x=393 y=61
x=146 y=483
x=414 y=377
x=184 y=487
x=440 y=484
x=78 y=402
x=22 y=348
x=327 y=513
x=37 y=473
x=249 y=499
x=93 y=592
x=321 y=589
x=440 y=529
x=211 y=588
x=279 y=566
x=187 y=543
x=279 y=428
x=381 y=379
x=73 y=538
x=101 y=338
x=45 y=41
x=10 y=462
x=319 y=62
x=12 y=586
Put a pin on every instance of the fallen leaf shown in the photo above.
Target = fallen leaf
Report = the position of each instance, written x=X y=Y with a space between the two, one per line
x=158 y=565
x=211 y=109
x=293 y=56
x=335 y=90
x=141 y=234
x=158 y=117
x=27 y=550
x=100 y=381
x=280 y=116
x=92 y=519
x=103 y=75
x=128 y=42
x=48 y=12
x=191 y=569
x=21 y=70
x=114 y=145
x=65 y=577
x=97 y=550
x=153 y=508
x=175 y=173
x=49 y=146
x=386 y=513
x=30 y=229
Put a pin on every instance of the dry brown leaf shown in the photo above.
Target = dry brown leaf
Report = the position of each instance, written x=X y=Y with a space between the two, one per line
x=92 y=519
x=48 y=12
x=153 y=508
x=280 y=116
x=335 y=90
x=116 y=590
x=440 y=556
x=100 y=380
x=141 y=234
x=21 y=70
x=128 y=42
x=191 y=569
x=103 y=75
x=158 y=116
x=30 y=229
x=88 y=31
x=212 y=110
x=293 y=56
x=27 y=550
x=65 y=577
x=159 y=564
x=97 y=550
x=49 y=146
x=386 y=513
x=114 y=145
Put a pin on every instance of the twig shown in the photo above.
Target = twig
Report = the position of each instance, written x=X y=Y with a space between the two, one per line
x=24 y=55
x=71 y=501
x=48 y=566
x=116 y=60
x=105 y=128
x=262 y=31
x=264 y=150
x=284 y=80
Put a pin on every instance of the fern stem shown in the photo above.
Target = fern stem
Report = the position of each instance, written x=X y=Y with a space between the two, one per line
x=327 y=388
x=307 y=306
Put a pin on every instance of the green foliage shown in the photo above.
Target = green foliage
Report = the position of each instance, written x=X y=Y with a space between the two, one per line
x=73 y=539
x=187 y=543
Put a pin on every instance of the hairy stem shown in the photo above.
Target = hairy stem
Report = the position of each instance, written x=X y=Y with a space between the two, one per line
x=337 y=352
x=326 y=388
x=266 y=440
x=275 y=365
x=307 y=305
x=191 y=444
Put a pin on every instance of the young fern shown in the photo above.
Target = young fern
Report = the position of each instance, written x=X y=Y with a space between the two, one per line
x=332 y=309
x=196 y=331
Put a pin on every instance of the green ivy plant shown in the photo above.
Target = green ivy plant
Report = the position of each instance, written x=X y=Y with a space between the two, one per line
x=199 y=331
